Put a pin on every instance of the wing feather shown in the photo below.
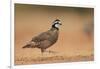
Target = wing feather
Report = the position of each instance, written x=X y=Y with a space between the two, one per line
x=43 y=36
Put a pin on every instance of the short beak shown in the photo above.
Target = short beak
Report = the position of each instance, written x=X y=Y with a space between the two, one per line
x=60 y=24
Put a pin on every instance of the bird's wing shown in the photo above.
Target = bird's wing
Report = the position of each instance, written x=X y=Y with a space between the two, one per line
x=43 y=36
x=38 y=40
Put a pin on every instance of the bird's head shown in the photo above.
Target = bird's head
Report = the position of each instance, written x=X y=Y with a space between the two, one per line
x=56 y=23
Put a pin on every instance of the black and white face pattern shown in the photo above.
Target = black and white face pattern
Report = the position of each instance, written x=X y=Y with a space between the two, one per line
x=57 y=23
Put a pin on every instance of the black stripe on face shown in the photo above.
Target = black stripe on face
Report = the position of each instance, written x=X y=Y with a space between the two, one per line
x=57 y=23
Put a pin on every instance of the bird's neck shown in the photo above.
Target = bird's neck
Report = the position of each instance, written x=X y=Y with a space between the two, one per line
x=54 y=29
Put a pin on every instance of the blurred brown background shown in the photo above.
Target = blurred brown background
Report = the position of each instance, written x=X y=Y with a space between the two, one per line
x=31 y=20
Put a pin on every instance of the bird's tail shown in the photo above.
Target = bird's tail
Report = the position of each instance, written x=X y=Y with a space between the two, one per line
x=30 y=45
x=27 y=46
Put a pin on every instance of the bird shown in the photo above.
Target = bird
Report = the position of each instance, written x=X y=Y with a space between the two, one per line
x=45 y=39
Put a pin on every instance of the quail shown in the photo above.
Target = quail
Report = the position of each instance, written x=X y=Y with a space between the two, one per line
x=45 y=39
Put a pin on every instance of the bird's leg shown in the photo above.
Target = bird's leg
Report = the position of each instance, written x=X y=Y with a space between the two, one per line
x=42 y=51
x=52 y=51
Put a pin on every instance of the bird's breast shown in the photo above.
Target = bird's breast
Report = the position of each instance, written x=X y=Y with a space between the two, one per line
x=54 y=37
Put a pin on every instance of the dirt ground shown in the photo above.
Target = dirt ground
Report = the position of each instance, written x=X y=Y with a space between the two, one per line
x=73 y=43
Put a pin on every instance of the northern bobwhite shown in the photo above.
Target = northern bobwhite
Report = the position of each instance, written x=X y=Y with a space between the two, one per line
x=45 y=39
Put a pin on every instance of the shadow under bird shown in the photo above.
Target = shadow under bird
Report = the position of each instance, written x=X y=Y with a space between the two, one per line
x=45 y=39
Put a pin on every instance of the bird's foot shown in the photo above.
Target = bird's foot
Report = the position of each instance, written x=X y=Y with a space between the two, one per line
x=51 y=51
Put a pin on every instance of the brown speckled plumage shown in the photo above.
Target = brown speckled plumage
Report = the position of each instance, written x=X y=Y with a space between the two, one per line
x=45 y=39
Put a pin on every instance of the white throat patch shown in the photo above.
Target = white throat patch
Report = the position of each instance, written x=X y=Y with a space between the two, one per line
x=57 y=25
